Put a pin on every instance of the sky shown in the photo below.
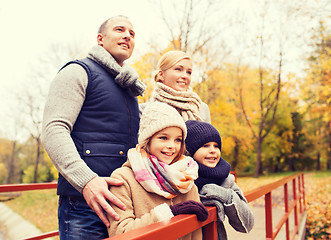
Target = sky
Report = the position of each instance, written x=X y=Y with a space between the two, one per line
x=29 y=27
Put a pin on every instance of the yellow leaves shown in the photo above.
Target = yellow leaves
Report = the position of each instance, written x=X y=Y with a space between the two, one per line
x=318 y=204
x=3 y=173
x=317 y=196
x=145 y=67
x=6 y=147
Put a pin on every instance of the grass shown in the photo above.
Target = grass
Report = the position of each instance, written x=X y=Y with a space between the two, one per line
x=40 y=206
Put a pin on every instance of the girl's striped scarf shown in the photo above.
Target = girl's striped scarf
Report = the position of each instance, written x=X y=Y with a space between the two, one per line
x=160 y=178
x=187 y=103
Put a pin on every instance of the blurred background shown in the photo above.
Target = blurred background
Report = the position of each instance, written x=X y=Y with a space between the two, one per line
x=262 y=66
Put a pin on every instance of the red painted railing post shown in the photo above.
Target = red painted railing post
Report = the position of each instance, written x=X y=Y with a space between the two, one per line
x=300 y=194
x=295 y=206
x=210 y=231
x=287 y=228
x=303 y=192
x=268 y=216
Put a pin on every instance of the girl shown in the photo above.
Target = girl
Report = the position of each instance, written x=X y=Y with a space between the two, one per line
x=173 y=79
x=158 y=178
x=216 y=186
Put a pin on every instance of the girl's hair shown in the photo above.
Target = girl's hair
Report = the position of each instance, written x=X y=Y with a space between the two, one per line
x=146 y=146
x=168 y=60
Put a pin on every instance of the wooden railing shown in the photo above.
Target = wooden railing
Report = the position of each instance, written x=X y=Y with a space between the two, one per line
x=183 y=224
x=179 y=226
x=29 y=187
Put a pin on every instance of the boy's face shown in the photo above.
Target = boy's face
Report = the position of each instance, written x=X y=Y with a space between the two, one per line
x=208 y=155
x=165 y=144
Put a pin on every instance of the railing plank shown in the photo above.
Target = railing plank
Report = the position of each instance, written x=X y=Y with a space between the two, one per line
x=44 y=235
x=263 y=190
x=176 y=227
x=27 y=187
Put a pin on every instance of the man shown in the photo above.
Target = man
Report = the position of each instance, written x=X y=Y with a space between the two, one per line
x=91 y=119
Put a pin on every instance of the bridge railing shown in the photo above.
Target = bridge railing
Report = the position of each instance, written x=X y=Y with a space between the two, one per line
x=183 y=224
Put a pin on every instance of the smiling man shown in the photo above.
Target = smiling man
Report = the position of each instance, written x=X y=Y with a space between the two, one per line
x=91 y=119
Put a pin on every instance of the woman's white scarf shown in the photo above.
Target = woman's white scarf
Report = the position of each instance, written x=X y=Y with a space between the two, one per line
x=187 y=102
x=160 y=178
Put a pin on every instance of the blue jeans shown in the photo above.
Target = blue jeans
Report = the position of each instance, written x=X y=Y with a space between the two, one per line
x=78 y=221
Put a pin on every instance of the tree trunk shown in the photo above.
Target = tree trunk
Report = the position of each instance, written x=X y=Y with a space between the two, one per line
x=11 y=166
x=258 y=158
x=235 y=155
x=291 y=164
x=35 y=177
x=318 y=162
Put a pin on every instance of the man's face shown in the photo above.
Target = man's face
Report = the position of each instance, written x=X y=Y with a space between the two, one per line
x=118 y=39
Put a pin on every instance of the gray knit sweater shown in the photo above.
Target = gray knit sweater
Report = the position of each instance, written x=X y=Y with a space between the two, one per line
x=65 y=100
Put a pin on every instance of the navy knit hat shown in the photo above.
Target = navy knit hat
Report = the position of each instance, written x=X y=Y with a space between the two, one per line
x=200 y=133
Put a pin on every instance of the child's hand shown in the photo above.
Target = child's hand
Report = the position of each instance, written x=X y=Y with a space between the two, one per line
x=191 y=207
x=213 y=191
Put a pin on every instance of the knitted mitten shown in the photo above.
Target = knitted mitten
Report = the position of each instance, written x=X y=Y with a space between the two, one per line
x=213 y=191
x=190 y=207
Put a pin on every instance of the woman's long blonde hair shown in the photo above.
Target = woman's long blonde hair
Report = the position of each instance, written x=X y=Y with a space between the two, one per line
x=168 y=60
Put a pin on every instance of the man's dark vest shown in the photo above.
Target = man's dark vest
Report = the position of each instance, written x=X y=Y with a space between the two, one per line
x=106 y=127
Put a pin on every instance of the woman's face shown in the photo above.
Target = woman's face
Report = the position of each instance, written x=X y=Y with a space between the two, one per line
x=178 y=77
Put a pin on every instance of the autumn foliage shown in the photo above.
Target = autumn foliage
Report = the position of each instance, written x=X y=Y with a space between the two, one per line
x=318 y=204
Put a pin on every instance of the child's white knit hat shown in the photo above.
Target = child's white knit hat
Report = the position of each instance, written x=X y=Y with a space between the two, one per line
x=157 y=116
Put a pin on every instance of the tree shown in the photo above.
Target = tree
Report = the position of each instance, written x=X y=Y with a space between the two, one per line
x=35 y=91
x=219 y=90
x=273 y=46
x=318 y=97
x=192 y=29
x=144 y=67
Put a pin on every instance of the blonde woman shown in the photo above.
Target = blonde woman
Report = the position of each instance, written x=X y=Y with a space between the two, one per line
x=173 y=79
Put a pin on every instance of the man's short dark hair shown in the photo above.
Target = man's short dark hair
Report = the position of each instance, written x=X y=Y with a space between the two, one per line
x=104 y=24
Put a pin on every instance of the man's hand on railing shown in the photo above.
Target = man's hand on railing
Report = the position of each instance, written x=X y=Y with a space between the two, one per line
x=191 y=207
x=96 y=193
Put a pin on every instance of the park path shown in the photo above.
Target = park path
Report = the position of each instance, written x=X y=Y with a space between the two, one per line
x=258 y=232
x=15 y=226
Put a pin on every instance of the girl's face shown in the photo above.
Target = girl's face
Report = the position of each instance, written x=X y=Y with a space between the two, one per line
x=165 y=144
x=208 y=155
x=178 y=77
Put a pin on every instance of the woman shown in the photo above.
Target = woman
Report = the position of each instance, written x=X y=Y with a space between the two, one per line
x=173 y=79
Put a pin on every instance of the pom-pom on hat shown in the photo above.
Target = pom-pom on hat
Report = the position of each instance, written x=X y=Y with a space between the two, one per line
x=157 y=116
x=200 y=133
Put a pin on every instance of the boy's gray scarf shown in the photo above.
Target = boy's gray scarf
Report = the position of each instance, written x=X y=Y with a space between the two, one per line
x=125 y=76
